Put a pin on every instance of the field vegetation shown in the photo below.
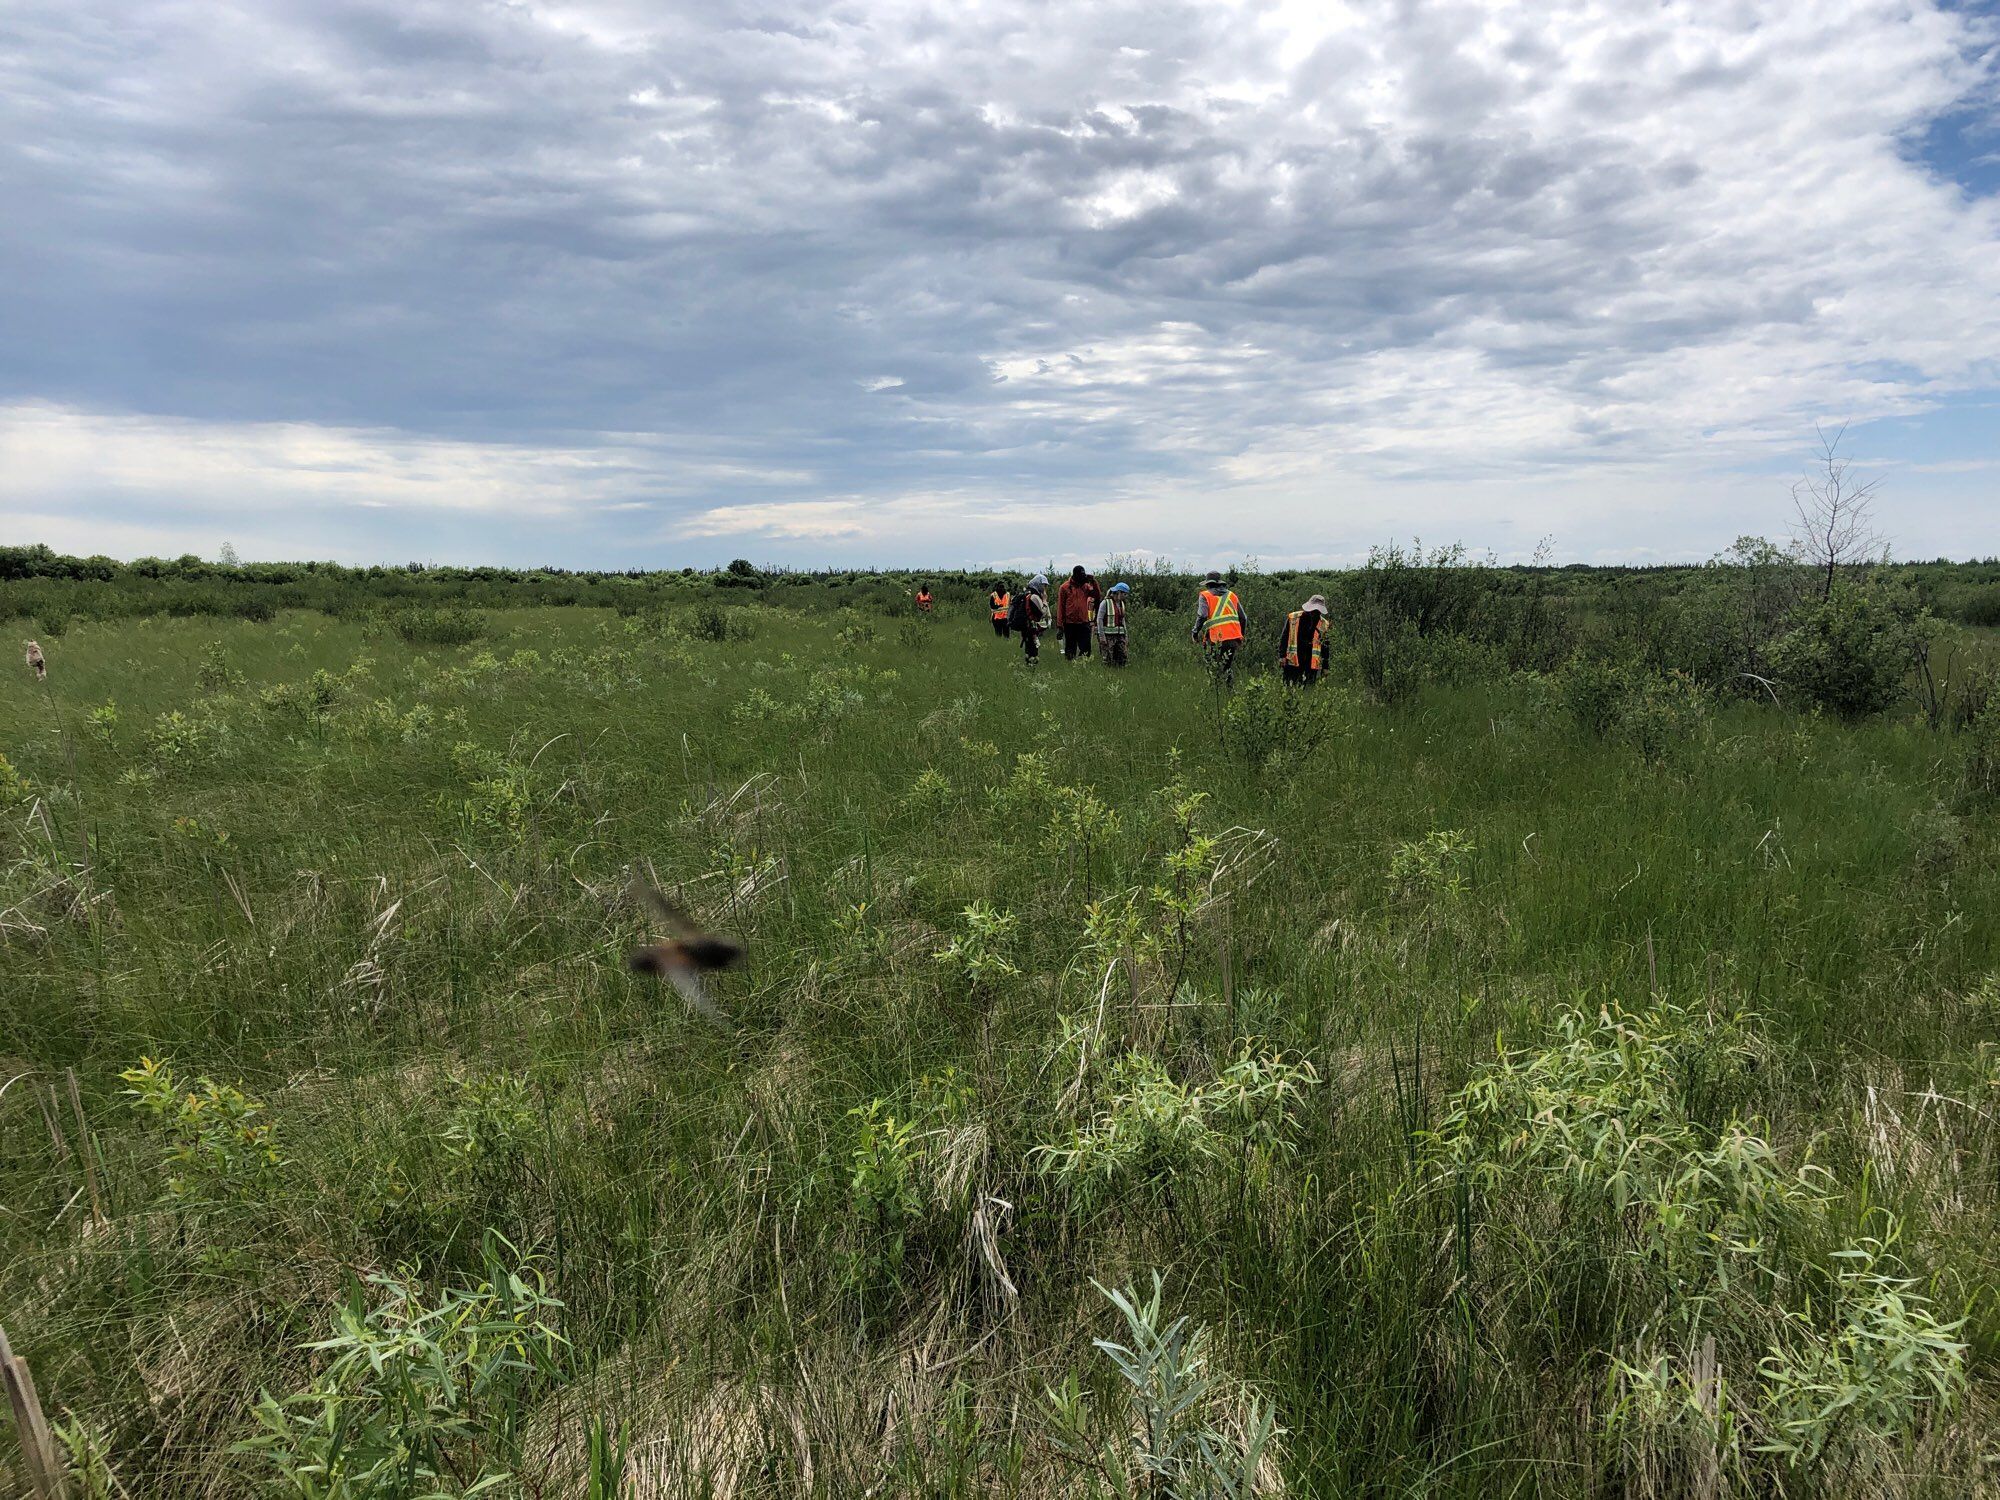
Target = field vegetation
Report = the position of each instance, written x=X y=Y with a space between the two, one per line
x=1557 y=1055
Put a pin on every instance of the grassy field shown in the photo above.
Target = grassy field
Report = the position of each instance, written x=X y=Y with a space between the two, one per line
x=1507 y=1109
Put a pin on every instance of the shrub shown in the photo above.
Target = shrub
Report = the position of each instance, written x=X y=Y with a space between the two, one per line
x=1663 y=715
x=422 y=625
x=1980 y=779
x=740 y=574
x=1151 y=1126
x=215 y=675
x=1978 y=606
x=1593 y=693
x=1270 y=726
x=714 y=623
x=1848 y=652
x=1438 y=864
x=1388 y=654
x=1866 y=1379
x=978 y=956
x=219 y=1149
x=418 y=1399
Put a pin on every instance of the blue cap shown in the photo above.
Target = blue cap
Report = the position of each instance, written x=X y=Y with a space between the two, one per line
x=1121 y=588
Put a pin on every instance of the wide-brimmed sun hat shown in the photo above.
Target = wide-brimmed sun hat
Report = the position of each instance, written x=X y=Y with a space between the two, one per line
x=1318 y=602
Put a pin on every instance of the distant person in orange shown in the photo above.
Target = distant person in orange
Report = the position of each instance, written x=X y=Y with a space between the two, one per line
x=1001 y=602
x=924 y=602
x=1218 y=626
x=1076 y=610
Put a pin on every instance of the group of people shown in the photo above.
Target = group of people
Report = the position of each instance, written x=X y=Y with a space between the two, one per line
x=1092 y=618
x=1093 y=621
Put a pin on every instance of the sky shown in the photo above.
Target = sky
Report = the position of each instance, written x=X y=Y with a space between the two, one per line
x=643 y=283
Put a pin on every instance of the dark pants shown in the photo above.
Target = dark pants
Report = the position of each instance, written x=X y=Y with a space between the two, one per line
x=1000 y=626
x=1114 y=650
x=1301 y=676
x=1076 y=641
x=1222 y=661
x=1031 y=646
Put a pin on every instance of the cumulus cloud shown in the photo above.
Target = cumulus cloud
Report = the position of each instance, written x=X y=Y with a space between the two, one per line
x=1244 y=274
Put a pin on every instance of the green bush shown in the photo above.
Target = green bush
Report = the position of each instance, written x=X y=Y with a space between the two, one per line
x=418 y=1399
x=1980 y=778
x=1270 y=726
x=1849 y=652
x=424 y=625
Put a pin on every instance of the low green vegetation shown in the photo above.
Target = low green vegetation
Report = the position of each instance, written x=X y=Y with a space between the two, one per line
x=1557 y=1055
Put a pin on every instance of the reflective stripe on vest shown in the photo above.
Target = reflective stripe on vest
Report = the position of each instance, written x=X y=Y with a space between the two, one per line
x=1117 y=625
x=1292 y=622
x=1225 y=616
x=1001 y=604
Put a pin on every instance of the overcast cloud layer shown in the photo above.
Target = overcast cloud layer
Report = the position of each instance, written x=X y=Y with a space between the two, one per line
x=630 y=284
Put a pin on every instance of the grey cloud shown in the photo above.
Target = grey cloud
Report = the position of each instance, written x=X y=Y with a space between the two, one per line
x=729 y=223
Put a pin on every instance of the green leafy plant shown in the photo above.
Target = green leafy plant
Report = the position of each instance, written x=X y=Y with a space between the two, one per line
x=491 y=1123
x=1436 y=866
x=102 y=722
x=978 y=956
x=1150 y=1125
x=1163 y=1440
x=881 y=1181
x=220 y=1149
x=417 y=1398
x=215 y=674
x=1867 y=1375
x=15 y=788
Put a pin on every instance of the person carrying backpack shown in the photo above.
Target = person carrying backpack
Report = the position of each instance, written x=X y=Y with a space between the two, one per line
x=1030 y=617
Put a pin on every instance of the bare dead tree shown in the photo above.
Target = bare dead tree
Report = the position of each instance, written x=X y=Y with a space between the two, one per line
x=1834 y=527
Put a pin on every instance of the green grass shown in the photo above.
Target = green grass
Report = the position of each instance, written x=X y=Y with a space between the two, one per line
x=363 y=913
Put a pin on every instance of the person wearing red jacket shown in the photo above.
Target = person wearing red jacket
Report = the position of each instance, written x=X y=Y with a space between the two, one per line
x=1076 y=612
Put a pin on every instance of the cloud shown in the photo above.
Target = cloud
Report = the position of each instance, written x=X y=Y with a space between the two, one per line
x=794 y=271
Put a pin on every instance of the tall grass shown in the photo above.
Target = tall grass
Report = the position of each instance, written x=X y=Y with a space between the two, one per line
x=1056 y=981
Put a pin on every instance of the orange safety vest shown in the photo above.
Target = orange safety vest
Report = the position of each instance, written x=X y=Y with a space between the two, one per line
x=923 y=599
x=1001 y=604
x=1225 y=617
x=1291 y=657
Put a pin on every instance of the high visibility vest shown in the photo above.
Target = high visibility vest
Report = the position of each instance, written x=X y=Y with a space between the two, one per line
x=1001 y=604
x=1116 y=625
x=1293 y=622
x=923 y=600
x=1225 y=616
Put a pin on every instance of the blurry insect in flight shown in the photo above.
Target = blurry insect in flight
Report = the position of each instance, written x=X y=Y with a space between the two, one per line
x=35 y=662
x=684 y=954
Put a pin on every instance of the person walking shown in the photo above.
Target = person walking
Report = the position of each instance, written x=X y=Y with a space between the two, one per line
x=1073 y=614
x=924 y=601
x=1218 y=626
x=1111 y=635
x=1002 y=603
x=1302 y=643
x=1030 y=617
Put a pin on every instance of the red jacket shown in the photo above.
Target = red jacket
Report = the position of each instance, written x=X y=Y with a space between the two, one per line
x=1074 y=605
